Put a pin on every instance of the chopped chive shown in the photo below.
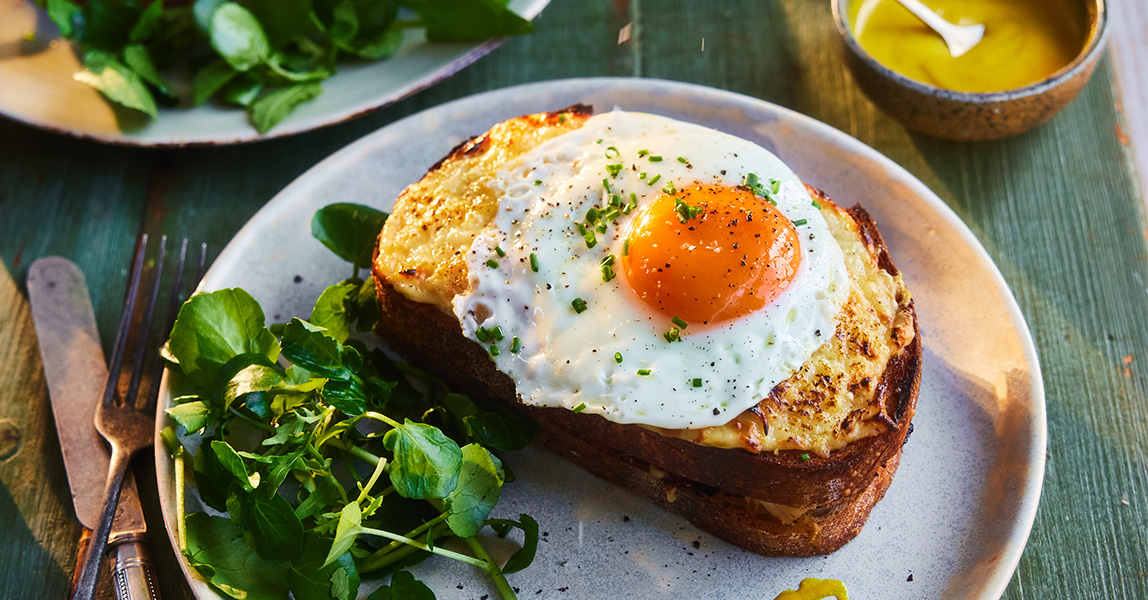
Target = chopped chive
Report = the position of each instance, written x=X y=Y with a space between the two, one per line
x=609 y=260
x=581 y=228
x=614 y=150
x=683 y=160
x=599 y=141
x=561 y=118
x=615 y=200
x=581 y=407
x=632 y=204
x=492 y=263
x=673 y=335
x=669 y=188
x=750 y=180
x=771 y=200
x=816 y=205
x=601 y=227
x=515 y=345
x=579 y=305
x=500 y=252
x=643 y=372
x=655 y=159
x=537 y=182
x=685 y=211
x=608 y=273
x=482 y=334
x=591 y=239
x=775 y=185
x=804 y=456
x=642 y=153
x=654 y=180
x=592 y=215
x=799 y=222
x=606 y=184
x=611 y=214
x=679 y=322
x=697 y=382
x=613 y=170
x=494 y=351
x=626 y=247
x=618 y=357
x=497 y=334
x=534 y=262
x=642 y=175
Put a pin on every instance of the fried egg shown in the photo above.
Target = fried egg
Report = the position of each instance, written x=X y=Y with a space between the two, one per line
x=651 y=271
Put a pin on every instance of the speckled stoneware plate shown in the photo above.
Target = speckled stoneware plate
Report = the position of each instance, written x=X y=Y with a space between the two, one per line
x=957 y=516
x=36 y=87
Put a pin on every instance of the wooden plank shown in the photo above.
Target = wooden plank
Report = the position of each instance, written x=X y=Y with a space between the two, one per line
x=37 y=549
x=1130 y=56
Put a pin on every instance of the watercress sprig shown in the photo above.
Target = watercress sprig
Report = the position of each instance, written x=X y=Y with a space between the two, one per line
x=322 y=460
x=264 y=56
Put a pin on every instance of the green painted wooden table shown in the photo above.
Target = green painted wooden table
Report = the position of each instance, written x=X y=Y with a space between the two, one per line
x=1057 y=208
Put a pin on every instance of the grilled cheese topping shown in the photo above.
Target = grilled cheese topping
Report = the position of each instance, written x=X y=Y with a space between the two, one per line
x=831 y=401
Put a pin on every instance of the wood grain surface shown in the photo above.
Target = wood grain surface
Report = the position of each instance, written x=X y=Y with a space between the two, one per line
x=1057 y=208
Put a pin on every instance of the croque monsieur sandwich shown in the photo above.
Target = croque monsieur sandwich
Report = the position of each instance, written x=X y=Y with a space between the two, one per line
x=677 y=311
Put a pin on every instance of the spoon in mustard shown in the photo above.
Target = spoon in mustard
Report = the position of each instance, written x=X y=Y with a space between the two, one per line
x=959 y=38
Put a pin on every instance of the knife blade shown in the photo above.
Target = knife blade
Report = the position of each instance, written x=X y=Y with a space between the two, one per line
x=76 y=372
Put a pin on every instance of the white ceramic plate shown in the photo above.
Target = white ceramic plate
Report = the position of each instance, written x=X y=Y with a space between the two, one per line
x=37 y=88
x=960 y=509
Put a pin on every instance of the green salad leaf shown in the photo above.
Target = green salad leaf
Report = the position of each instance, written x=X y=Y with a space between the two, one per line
x=238 y=36
x=273 y=107
x=309 y=579
x=403 y=586
x=349 y=230
x=216 y=548
x=479 y=486
x=116 y=82
x=214 y=328
x=426 y=463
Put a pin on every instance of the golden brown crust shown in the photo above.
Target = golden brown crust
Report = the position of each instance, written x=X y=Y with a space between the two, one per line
x=422 y=248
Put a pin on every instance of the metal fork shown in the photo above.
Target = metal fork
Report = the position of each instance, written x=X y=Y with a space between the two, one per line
x=126 y=426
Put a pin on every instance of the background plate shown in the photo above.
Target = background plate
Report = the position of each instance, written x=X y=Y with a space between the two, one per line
x=960 y=509
x=38 y=88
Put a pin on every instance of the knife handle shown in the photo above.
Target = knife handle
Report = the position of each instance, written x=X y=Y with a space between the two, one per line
x=133 y=574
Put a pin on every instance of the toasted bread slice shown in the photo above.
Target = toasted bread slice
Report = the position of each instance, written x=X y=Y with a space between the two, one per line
x=777 y=494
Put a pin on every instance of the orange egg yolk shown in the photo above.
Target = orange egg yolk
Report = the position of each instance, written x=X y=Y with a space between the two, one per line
x=732 y=255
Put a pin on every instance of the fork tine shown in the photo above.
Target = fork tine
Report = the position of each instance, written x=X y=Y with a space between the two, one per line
x=140 y=353
x=173 y=304
x=199 y=269
x=125 y=321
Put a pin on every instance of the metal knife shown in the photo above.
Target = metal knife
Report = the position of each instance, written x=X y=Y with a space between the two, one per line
x=76 y=373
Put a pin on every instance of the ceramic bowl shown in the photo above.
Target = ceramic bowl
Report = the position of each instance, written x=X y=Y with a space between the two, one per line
x=971 y=116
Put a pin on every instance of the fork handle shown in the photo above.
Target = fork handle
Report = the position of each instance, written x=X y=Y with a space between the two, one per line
x=134 y=575
x=97 y=546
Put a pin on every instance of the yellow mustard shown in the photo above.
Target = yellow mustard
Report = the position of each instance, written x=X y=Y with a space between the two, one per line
x=815 y=589
x=1025 y=41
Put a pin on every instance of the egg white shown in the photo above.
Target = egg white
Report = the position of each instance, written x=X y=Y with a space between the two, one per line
x=567 y=359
